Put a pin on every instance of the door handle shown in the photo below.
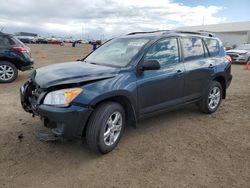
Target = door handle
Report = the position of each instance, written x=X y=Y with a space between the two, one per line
x=179 y=73
x=211 y=66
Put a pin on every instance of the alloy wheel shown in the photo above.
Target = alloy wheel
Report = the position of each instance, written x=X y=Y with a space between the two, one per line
x=214 y=98
x=6 y=72
x=113 y=128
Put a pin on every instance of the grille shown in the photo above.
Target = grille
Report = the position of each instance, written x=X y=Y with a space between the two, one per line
x=33 y=92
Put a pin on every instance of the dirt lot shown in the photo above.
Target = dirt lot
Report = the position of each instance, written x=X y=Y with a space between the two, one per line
x=183 y=148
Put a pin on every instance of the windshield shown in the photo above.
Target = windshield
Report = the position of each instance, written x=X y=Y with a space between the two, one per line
x=117 y=52
x=243 y=47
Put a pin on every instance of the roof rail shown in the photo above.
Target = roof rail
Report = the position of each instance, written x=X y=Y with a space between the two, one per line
x=203 y=33
x=148 y=32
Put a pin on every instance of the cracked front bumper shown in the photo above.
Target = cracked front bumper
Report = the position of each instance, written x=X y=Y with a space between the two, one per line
x=67 y=122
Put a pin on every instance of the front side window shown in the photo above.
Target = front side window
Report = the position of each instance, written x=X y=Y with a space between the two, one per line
x=192 y=48
x=117 y=52
x=165 y=51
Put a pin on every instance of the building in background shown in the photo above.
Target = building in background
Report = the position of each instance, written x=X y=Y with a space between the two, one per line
x=231 y=34
x=26 y=34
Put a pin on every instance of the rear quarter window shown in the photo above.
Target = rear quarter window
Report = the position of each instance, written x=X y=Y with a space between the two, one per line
x=213 y=46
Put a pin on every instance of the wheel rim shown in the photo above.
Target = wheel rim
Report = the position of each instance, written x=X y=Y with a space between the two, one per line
x=113 y=128
x=214 y=98
x=6 y=72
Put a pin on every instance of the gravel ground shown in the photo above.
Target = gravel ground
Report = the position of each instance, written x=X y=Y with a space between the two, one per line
x=182 y=148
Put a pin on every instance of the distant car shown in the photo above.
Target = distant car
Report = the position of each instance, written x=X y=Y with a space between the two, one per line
x=41 y=41
x=240 y=54
x=14 y=56
x=26 y=39
x=55 y=41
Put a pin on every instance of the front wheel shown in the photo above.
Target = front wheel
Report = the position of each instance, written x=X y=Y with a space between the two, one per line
x=210 y=102
x=105 y=127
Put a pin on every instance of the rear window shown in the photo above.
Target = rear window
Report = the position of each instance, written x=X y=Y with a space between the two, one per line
x=213 y=46
x=192 y=48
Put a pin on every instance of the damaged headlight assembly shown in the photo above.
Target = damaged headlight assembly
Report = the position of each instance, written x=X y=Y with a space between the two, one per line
x=62 y=98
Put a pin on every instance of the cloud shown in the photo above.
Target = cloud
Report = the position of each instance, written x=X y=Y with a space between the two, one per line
x=101 y=17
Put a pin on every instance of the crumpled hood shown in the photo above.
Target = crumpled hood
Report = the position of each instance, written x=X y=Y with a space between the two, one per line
x=72 y=72
x=237 y=51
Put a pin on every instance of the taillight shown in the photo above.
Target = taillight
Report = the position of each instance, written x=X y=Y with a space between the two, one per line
x=20 y=49
x=228 y=58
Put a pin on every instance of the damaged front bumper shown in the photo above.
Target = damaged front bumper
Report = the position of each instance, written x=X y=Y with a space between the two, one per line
x=66 y=122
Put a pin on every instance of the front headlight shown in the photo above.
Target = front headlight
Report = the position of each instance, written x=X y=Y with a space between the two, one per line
x=62 y=97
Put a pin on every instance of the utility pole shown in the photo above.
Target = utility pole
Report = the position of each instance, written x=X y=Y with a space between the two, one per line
x=82 y=33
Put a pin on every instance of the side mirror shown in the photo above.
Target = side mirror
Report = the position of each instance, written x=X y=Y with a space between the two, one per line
x=150 y=65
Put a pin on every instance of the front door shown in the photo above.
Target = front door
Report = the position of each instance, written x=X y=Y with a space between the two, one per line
x=159 y=89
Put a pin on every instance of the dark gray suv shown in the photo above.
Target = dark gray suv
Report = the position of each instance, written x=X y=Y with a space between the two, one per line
x=127 y=79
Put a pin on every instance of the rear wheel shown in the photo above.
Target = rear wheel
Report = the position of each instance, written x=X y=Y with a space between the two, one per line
x=8 y=72
x=105 y=127
x=212 y=99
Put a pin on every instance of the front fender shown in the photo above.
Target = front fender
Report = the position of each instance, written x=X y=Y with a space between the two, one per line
x=123 y=85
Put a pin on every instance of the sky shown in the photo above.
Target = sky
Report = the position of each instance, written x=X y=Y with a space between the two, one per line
x=110 y=18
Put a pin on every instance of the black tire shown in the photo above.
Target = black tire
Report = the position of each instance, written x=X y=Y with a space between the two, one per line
x=204 y=102
x=97 y=126
x=14 y=72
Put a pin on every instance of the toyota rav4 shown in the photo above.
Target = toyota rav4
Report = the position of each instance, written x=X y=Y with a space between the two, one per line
x=127 y=79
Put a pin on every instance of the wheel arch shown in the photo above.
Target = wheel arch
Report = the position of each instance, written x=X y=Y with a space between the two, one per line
x=9 y=60
x=221 y=79
x=125 y=102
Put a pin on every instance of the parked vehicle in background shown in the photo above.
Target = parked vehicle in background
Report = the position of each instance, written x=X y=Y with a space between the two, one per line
x=40 y=40
x=14 y=56
x=127 y=79
x=55 y=41
x=240 y=54
x=26 y=39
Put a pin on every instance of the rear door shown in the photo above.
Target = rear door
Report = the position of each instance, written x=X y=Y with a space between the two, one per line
x=4 y=45
x=198 y=67
x=159 y=89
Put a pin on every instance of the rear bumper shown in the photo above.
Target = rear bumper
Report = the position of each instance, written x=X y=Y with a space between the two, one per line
x=28 y=67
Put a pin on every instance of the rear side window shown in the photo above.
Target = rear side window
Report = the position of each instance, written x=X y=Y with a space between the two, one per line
x=4 y=41
x=165 y=51
x=213 y=46
x=193 y=48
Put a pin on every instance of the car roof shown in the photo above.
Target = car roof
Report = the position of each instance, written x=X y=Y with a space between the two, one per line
x=4 y=34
